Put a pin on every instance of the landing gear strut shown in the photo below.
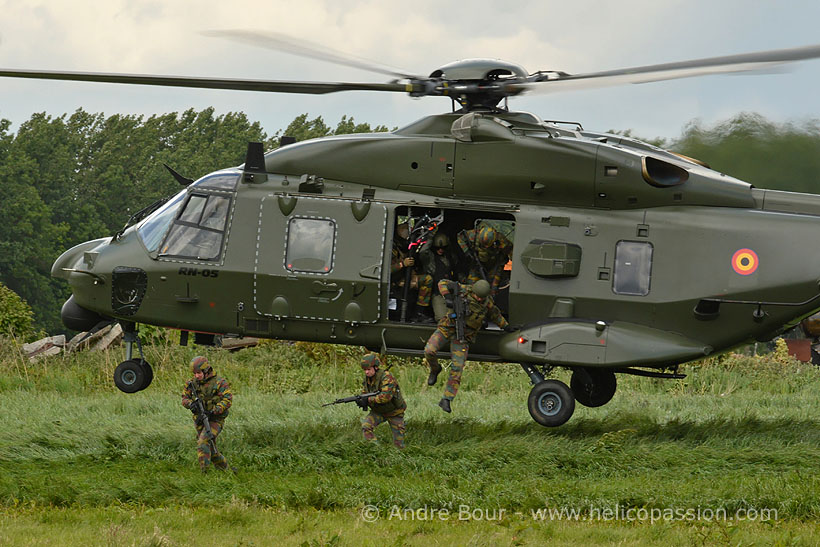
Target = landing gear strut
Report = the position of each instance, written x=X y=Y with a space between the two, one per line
x=132 y=375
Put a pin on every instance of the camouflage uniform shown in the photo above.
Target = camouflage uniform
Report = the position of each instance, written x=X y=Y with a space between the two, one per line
x=216 y=394
x=398 y=254
x=397 y=275
x=492 y=249
x=425 y=290
x=388 y=406
x=476 y=312
x=435 y=267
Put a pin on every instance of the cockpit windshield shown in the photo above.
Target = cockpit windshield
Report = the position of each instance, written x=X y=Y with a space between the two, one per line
x=199 y=229
x=222 y=180
x=193 y=223
x=154 y=227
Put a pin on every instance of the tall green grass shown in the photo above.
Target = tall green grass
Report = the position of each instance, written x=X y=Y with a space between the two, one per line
x=737 y=433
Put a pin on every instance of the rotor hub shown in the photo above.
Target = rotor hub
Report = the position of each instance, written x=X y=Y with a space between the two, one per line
x=476 y=84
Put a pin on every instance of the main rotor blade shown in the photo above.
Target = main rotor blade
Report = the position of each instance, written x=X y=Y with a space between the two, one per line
x=315 y=88
x=304 y=48
x=744 y=62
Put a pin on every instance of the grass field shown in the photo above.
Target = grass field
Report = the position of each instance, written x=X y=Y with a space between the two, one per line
x=730 y=455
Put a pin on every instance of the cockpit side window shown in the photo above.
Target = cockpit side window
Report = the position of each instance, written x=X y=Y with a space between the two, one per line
x=199 y=229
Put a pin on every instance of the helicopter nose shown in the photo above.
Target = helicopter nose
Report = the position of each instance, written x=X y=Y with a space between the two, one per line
x=78 y=318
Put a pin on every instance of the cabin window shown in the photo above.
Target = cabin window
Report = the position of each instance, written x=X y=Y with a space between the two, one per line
x=311 y=243
x=633 y=268
x=199 y=229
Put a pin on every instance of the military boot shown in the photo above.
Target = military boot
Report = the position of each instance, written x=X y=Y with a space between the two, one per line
x=434 y=372
x=424 y=315
x=445 y=405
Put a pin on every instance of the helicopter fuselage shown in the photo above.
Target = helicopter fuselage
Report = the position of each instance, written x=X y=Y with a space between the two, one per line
x=623 y=254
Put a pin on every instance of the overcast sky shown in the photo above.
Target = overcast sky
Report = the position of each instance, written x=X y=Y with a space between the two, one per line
x=164 y=37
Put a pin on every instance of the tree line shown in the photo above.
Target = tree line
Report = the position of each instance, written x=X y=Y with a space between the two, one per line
x=73 y=178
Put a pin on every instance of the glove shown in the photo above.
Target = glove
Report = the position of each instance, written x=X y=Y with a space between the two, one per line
x=510 y=328
x=448 y=301
x=362 y=403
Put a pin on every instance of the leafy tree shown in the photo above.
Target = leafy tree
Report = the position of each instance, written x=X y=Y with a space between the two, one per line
x=347 y=126
x=128 y=164
x=30 y=240
x=302 y=129
x=16 y=317
x=5 y=139
x=763 y=153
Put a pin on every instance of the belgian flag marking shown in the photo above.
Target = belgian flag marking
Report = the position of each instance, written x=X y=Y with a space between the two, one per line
x=745 y=261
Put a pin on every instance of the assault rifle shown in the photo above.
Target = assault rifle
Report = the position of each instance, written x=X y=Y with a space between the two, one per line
x=360 y=399
x=459 y=310
x=198 y=408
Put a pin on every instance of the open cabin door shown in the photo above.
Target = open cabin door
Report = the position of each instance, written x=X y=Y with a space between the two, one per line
x=319 y=259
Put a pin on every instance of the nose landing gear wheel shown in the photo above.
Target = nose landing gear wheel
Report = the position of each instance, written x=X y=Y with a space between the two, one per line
x=133 y=375
x=551 y=403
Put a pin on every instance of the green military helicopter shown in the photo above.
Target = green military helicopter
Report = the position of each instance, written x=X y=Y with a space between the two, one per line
x=626 y=258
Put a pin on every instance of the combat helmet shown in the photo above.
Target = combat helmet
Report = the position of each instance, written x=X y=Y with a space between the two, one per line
x=481 y=288
x=486 y=237
x=372 y=359
x=201 y=364
x=441 y=241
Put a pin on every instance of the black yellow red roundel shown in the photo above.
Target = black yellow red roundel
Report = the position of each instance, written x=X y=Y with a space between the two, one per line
x=745 y=261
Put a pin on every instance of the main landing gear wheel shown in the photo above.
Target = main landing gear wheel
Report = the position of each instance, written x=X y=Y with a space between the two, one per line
x=592 y=386
x=149 y=372
x=551 y=403
x=133 y=375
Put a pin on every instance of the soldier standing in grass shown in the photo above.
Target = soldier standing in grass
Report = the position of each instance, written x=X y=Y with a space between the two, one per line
x=216 y=395
x=478 y=304
x=388 y=406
